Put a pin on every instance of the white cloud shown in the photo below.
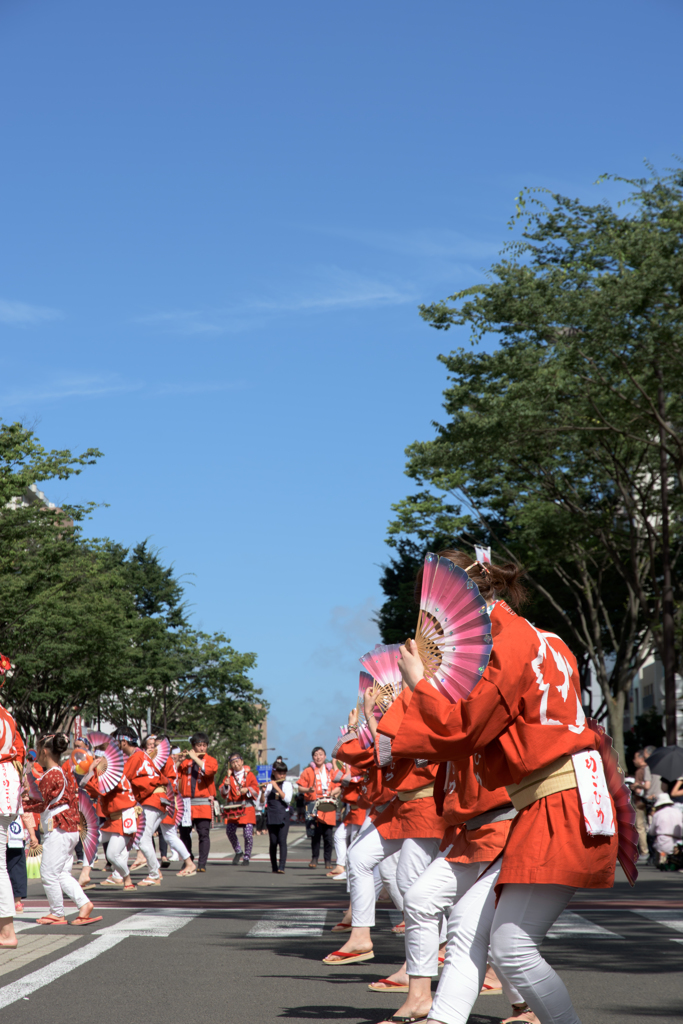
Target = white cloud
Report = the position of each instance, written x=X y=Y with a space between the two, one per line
x=21 y=314
x=70 y=387
x=328 y=289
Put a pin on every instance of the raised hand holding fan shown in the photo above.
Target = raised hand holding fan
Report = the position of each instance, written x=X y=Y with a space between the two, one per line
x=453 y=629
x=365 y=737
x=382 y=664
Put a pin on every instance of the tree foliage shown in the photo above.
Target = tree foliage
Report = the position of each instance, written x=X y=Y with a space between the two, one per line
x=565 y=443
x=94 y=628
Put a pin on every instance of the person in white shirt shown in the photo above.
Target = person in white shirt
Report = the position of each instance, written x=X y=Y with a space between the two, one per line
x=278 y=797
x=666 y=826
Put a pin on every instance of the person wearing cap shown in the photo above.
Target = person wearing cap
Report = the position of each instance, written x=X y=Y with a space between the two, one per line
x=240 y=789
x=148 y=788
x=666 y=826
x=278 y=797
x=197 y=783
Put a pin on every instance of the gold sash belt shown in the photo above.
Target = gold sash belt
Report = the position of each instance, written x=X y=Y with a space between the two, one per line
x=117 y=815
x=554 y=778
x=159 y=789
x=416 y=794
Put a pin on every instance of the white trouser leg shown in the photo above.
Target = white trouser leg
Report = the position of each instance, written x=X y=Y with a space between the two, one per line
x=469 y=928
x=416 y=856
x=55 y=871
x=341 y=838
x=426 y=902
x=117 y=852
x=387 y=878
x=146 y=844
x=522 y=919
x=6 y=894
x=366 y=853
x=170 y=834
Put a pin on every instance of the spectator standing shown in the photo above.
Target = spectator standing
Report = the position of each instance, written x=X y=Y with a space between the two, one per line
x=639 y=789
x=278 y=799
x=666 y=826
x=315 y=782
x=196 y=780
x=655 y=781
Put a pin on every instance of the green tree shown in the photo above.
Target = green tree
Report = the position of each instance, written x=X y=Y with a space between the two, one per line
x=569 y=433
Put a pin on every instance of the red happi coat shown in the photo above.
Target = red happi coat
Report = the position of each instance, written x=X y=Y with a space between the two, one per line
x=11 y=750
x=145 y=779
x=199 y=784
x=230 y=788
x=58 y=787
x=322 y=779
x=523 y=714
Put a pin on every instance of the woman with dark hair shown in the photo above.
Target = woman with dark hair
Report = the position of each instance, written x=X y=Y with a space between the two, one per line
x=278 y=798
x=240 y=789
x=525 y=727
x=59 y=823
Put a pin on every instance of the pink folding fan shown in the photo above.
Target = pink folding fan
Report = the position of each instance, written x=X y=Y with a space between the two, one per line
x=88 y=825
x=365 y=737
x=141 y=826
x=453 y=629
x=162 y=754
x=109 y=774
x=98 y=739
x=382 y=665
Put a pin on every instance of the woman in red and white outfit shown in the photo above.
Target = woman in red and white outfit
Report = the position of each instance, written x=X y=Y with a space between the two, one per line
x=240 y=789
x=12 y=756
x=317 y=784
x=167 y=826
x=59 y=823
x=409 y=827
x=354 y=816
x=524 y=725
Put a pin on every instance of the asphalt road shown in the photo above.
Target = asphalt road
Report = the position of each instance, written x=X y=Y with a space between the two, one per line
x=242 y=944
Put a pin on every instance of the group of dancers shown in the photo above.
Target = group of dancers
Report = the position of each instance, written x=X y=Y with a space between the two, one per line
x=481 y=817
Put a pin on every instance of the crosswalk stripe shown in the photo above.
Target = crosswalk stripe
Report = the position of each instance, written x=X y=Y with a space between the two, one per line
x=569 y=923
x=289 y=924
x=164 y=922
x=669 y=918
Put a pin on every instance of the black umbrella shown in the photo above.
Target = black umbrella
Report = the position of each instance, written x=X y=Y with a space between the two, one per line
x=667 y=762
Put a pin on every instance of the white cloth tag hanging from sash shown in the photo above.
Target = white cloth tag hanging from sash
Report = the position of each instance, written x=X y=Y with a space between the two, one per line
x=593 y=793
x=186 y=821
x=129 y=821
x=15 y=834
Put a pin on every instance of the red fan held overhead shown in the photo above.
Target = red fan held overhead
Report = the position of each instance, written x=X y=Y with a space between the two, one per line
x=162 y=755
x=453 y=629
x=88 y=825
x=627 y=851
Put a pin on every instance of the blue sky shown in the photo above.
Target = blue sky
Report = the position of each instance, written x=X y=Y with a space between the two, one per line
x=217 y=223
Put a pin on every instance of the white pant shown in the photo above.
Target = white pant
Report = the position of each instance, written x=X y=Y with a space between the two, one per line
x=170 y=834
x=343 y=837
x=153 y=817
x=368 y=852
x=55 y=871
x=6 y=894
x=523 y=917
x=117 y=854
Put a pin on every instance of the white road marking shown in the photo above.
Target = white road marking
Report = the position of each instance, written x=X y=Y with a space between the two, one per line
x=569 y=923
x=156 y=924
x=289 y=924
x=29 y=917
x=669 y=918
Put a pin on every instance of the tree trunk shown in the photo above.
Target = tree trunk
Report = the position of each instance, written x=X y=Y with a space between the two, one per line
x=615 y=714
x=668 y=626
